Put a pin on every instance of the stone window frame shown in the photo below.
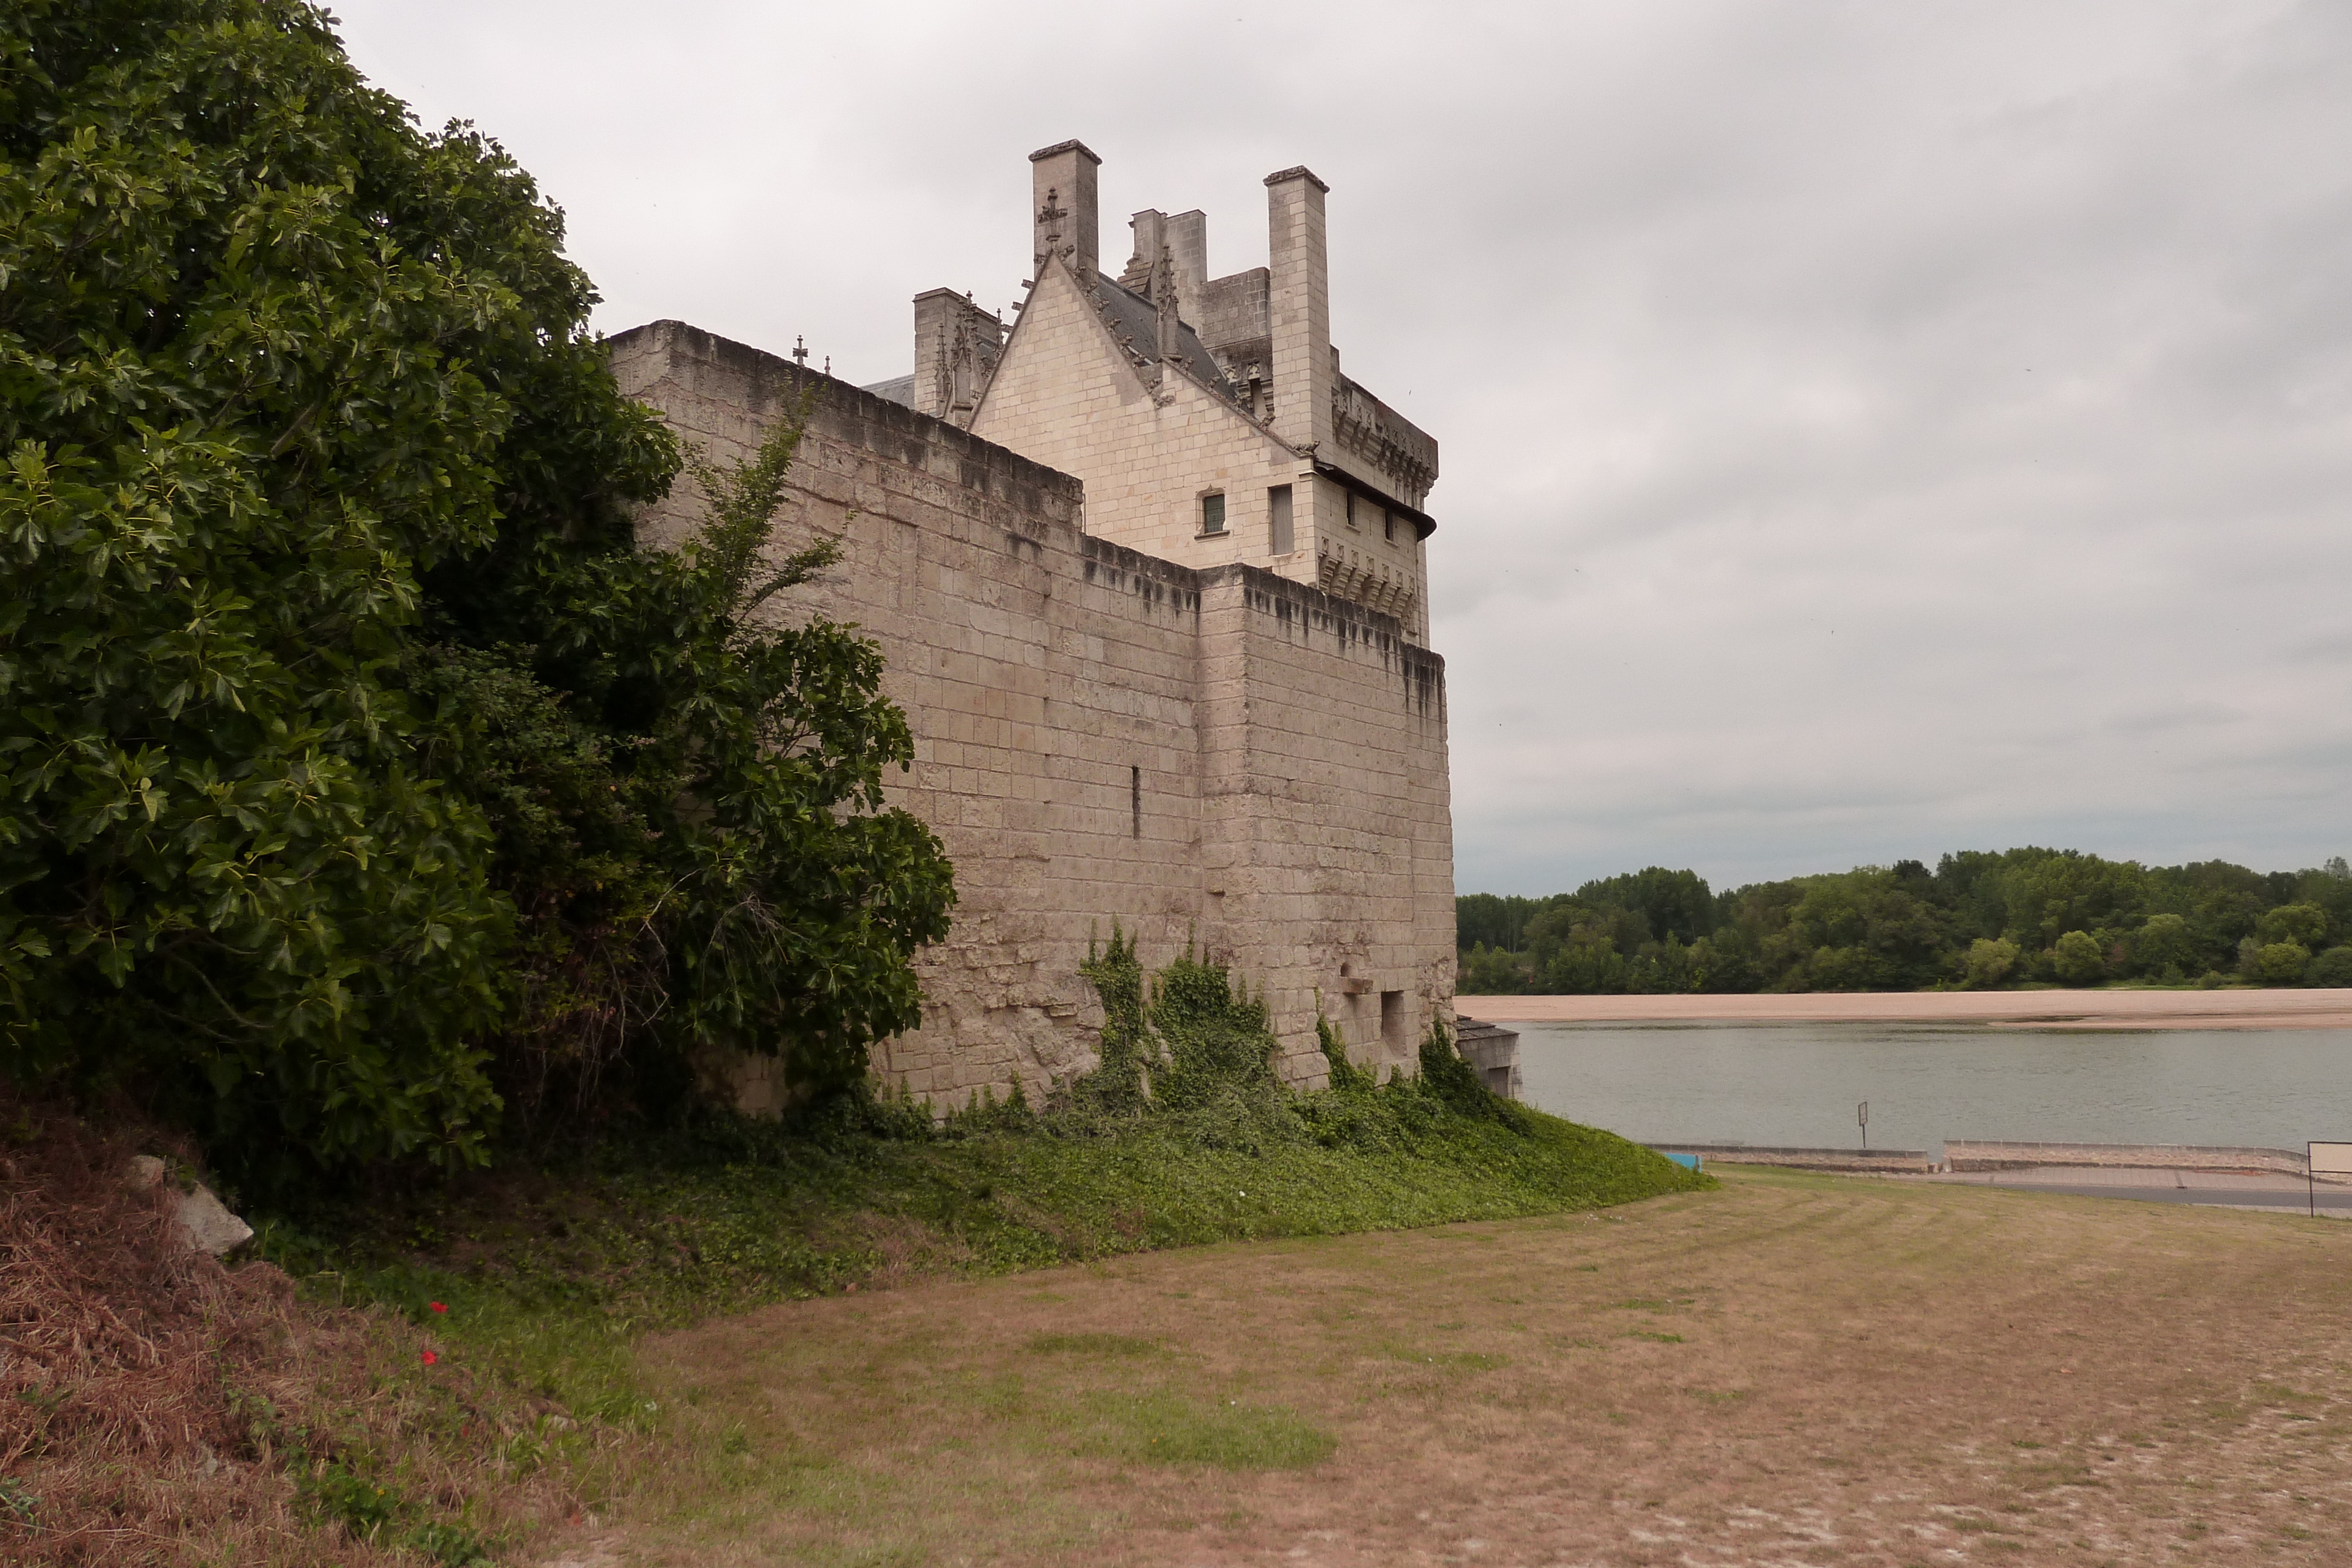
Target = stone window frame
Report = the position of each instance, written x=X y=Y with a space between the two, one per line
x=1211 y=506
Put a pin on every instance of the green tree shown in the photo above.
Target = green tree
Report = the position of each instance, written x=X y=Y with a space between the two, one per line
x=1721 y=964
x=2305 y=924
x=266 y=353
x=2333 y=968
x=764 y=896
x=2077 y=958
x=2162 y=946
x=2049 y=893
x=1492 y=920
x=1670 y=903
x=1490 y=972
x=1988 y=962
x=346 y=736
x=2273 y=963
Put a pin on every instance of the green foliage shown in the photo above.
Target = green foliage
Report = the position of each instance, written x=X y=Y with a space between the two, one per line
x=1454 y=1082
x=2163 y=946
x=1488 y=971
x=266 y=353
x=361 y=1505
x=336 y=1493
x=2275 y=963
x=1163 y=1427
x=1345 y=1073
x=1670 y=904
x=1988 y=962
x=1186 y=1041
x=1977 y=919
x=2305 y=925
x=2332 y=968
x=361 y=771
x=695 y=829
x=2076 y=960
x=1120 y=1081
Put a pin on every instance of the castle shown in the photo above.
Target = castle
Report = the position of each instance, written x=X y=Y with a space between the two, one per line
x=1149 y=577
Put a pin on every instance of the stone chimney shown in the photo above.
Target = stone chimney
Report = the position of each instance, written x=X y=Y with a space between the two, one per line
x=1063 y=206
x=956 y=345
x=1151 y=227
x=1299 y=308
x=1188 y=242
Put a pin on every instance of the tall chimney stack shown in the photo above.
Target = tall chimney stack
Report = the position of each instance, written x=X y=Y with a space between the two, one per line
x=1299 y=307
x=1151 y=227
x=1188 y=241
x=1063 y=206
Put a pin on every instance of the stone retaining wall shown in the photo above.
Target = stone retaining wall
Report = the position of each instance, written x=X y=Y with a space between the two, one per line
x=1908 y=1161
x=2009 y=1156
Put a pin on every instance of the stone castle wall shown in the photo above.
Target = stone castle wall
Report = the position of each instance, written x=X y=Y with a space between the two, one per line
x=1216 y=756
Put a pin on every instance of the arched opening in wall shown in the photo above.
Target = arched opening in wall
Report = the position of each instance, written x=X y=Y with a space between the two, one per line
x=1393 y=1043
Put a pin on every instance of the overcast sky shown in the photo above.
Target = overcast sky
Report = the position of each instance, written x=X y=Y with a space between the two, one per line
x=1868 y=430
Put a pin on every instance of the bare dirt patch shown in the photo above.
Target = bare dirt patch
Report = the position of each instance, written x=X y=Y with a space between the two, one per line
x=1796 y=1369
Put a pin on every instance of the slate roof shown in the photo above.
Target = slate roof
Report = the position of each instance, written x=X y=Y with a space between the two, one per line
x=1129 y=316
x=1132 y=317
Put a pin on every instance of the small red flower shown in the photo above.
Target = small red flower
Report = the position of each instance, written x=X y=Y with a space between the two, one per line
x=437 y=1306
x=429 y=1358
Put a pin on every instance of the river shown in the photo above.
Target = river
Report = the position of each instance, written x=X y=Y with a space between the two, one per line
x=1796 y=1084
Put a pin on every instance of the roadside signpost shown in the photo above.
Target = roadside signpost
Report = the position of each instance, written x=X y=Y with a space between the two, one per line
x=2323 y=1159
x=1862 y=1119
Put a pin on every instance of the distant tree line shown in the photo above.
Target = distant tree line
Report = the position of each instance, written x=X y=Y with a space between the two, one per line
x=1977 y=921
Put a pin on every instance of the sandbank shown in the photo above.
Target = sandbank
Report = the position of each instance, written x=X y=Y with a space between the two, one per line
x=2227 y=1008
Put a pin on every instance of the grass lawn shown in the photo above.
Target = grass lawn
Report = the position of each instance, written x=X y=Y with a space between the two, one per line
x=1791 y=1369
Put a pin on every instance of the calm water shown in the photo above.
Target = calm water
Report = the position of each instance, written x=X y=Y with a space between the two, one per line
x=1797 y=1084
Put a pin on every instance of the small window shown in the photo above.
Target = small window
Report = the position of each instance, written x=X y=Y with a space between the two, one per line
x=1135 y=798
x=1278 y=512
x=1351 y=508
x=1387 y=525
x=1212 y=514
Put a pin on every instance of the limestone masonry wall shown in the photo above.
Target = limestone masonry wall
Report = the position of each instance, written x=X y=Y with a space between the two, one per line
x=1074 y=403
x=1217 y=756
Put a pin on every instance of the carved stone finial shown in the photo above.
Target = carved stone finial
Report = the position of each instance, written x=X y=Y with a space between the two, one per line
x=1163 y=303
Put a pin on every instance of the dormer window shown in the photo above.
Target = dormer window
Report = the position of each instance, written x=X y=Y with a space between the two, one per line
x=1213 y=513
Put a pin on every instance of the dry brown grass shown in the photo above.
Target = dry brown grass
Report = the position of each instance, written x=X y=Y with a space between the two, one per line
x=1794 y=1369
x=157 y=1407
